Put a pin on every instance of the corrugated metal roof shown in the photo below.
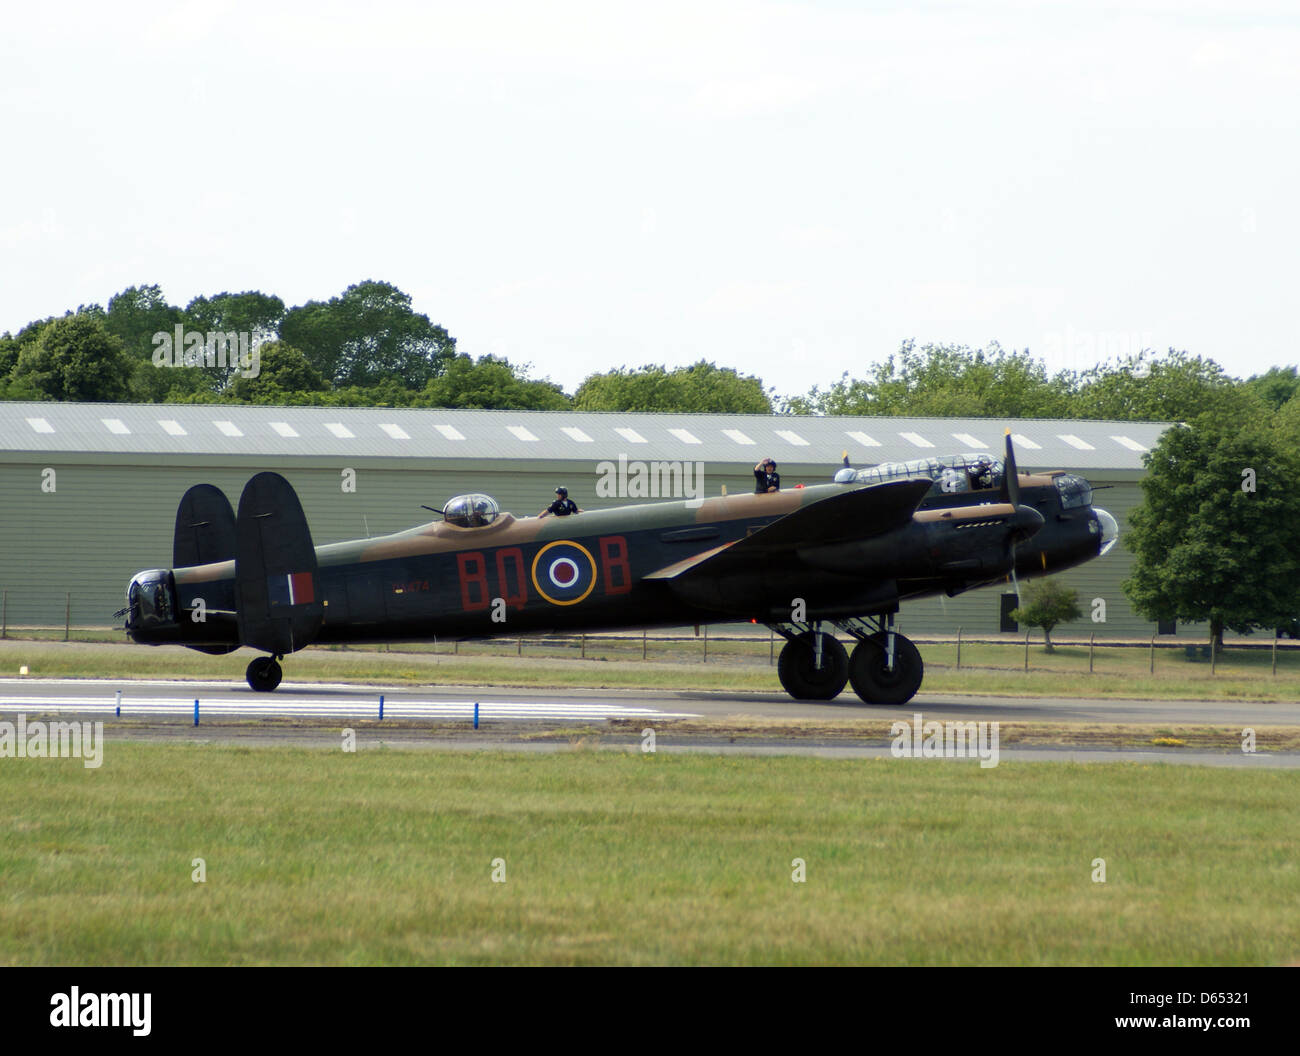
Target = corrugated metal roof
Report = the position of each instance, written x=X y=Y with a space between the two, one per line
x=281 y=433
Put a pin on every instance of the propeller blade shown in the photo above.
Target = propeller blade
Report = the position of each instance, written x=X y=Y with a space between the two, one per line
x=1010 y=491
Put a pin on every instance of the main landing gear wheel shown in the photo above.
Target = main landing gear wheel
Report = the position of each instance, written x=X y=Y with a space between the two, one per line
x=264 y=674
x=802 y=679
x=871 y=678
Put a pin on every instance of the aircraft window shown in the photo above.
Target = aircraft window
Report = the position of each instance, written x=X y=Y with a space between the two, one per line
x=471 y=511
x=951 y=474
x=1075 y=491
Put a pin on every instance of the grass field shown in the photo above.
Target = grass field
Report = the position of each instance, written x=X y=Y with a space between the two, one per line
x=732 y=665
x=382 y=857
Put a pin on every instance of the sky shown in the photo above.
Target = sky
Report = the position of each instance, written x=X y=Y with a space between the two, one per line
x=790 y=190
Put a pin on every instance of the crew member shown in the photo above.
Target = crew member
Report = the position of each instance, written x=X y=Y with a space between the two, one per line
x=766 y=478
x=562 y=506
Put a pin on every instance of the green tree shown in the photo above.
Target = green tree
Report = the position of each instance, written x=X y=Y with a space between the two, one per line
x=1215 y=534
x=1286 y=424
x=134 y=316
x=283 y=375
x=75 y=358
x=946 y=381
x=491 y=383
x=702 y=388
x=1275 y=386
x=250 y=312
x=1177 y=387
x=367 y=334
x=1046 y=603
x=11 y=344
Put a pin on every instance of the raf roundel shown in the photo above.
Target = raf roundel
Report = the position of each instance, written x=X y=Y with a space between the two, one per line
x=564 y=573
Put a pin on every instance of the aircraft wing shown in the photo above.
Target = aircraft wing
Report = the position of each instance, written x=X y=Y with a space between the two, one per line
x=856 y=514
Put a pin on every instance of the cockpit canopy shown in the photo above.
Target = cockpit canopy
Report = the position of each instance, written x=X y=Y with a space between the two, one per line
x=1075 y=491
x=471 y=511
x=951 y=474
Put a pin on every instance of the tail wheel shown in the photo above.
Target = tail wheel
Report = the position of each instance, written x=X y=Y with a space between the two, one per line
x=264 y=674
x=874 y=682
x=800 y=675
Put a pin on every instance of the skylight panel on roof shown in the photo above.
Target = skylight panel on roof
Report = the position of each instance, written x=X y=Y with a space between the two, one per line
x=40 y=425
x=116 y=425
x=172 y=427
x=631 y=436
x=1020 y=440
x=916 y=439
x=340 y=430
x=970 y=441
x=574 y=433
x=1075 y=442
x=863 y=438
x=737 y=436
x=685 y=436
x=791 y=437
x=284 y=429
x=521 y=433
x=395 y=431
x=1130 y=443
x=450 y=432
x=229 y=428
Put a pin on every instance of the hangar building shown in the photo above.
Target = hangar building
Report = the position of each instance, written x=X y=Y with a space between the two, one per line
x=90 y=490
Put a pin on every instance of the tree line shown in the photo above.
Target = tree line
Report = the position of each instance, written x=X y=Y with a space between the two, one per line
x=369 y=347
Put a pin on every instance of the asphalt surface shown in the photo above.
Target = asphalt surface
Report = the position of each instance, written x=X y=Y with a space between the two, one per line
x=142 y=698
x=311 y=715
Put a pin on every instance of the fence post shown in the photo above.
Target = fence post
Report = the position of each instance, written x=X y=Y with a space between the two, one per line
x=4 y=616
x=1026 y=651
x=958 y=648
x=519 y=649
x=1153 y=654
x=67 y=615
x=1275 y=652
x=771 y=647
x=584 y=647
x=645 y=642
x=1214 y=657
x=706 y=643
x=1090 y=641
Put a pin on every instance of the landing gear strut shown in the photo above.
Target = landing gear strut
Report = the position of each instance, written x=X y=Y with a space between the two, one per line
x=264 y=673
x=812 y=665
x=885 y=667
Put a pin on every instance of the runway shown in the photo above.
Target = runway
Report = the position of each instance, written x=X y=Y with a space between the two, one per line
x=160 y=698
x=541 y=720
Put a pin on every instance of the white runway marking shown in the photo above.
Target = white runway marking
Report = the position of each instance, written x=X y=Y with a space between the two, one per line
x=352 y=708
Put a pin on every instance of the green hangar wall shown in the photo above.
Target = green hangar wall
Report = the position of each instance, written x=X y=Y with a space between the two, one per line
x=90 y=490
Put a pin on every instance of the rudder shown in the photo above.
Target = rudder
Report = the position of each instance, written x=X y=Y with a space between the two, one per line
x=276 y=590
x=205 y=528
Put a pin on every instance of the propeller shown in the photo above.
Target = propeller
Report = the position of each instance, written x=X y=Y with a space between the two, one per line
x=1010 y=493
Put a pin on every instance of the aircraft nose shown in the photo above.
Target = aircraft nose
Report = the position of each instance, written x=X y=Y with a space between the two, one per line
x=1109 y=529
